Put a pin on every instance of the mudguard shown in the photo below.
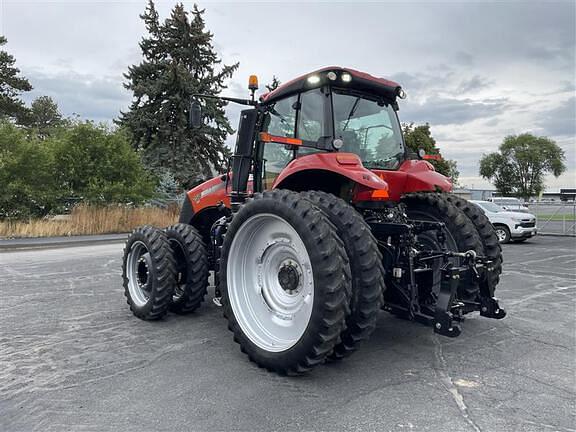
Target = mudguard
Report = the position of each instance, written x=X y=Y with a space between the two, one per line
x=414 y=176
x=347 y=165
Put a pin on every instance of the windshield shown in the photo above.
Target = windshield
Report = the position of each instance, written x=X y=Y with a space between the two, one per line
x=369 y=129
x=491 y=207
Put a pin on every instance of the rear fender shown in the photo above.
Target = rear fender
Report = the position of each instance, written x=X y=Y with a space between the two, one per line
x=414 y=176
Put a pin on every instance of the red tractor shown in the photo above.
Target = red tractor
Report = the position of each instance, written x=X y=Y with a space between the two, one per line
x=323 y=219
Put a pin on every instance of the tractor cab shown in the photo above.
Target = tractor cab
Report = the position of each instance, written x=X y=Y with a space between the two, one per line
x=333 y=110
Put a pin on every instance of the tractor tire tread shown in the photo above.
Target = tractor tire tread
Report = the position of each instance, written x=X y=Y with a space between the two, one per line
x=367 y=271
x=164 y=268
x=197 y=268
x=492 y=247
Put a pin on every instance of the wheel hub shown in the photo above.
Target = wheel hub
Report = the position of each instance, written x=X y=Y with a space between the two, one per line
x=143 y=272
x=289 y=278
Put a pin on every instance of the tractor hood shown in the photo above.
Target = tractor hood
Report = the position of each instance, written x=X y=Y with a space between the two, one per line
x=347 y=165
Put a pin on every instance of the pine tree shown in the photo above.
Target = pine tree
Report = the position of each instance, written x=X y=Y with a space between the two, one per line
x=43 y=117
x=11 y=85
x=178 y=60
x=274 y=84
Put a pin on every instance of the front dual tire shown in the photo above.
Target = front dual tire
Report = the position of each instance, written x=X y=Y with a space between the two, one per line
x=164 y=270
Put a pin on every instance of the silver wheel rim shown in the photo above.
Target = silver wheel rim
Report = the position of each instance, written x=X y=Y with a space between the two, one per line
x=270 y=282
x=501 y=234
x=138 y=272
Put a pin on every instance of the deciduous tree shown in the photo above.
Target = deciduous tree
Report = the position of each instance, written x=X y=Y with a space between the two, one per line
x=420 y=137
x=521 y=164
x=97 y=165
x=27 y=184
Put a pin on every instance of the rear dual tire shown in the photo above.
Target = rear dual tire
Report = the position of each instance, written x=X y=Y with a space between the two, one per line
x=488 y=235
x=285 y=279
x=461 y=234
x=365 y=259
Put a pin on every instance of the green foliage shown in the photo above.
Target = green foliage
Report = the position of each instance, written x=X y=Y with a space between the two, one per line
x=82 y=162
x=99 y=166
x=44 y=117
x=521 y=163
x=179 y=60
x=420 y=137
x=11 y=85
x=27 y=185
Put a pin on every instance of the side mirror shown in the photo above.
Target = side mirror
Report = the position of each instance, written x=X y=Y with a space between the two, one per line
x=195 y=114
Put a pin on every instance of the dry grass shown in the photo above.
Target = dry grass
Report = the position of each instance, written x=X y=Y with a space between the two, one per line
x=86 y=220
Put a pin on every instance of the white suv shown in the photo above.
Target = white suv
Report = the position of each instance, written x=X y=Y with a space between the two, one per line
x=509 y=225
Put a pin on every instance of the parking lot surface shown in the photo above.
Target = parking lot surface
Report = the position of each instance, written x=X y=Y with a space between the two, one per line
x=72 y=357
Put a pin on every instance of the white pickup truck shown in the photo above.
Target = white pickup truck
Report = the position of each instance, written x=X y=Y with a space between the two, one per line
x=509 y=225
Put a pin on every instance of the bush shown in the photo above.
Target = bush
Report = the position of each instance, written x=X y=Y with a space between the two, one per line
x=27 y=184
x=81 y=162
x=99 y=166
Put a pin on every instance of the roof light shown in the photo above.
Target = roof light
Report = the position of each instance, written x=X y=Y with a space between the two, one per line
x=331 y=76
x=346 y=77
x=401 y=93
x=313 y=79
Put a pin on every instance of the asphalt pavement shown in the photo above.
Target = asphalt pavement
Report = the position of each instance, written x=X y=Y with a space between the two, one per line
x=73 y=358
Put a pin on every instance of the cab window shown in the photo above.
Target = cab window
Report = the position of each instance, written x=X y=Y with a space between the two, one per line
x=311 y=116
x=370 y=129
x=282 y=123
x=299 y=116
x=283 y=117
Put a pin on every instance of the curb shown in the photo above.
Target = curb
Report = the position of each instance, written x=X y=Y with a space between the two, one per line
x=59 y=242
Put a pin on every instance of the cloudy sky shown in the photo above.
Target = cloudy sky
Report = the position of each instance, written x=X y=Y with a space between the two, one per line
x=476 y=71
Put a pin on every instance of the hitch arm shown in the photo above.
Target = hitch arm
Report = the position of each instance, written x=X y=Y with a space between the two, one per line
x=443 y=317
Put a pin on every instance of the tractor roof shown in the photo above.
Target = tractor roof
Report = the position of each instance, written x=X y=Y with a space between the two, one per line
x=360 y=82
